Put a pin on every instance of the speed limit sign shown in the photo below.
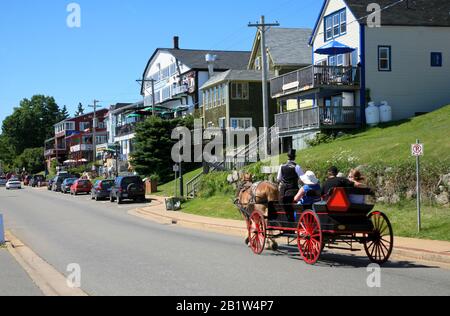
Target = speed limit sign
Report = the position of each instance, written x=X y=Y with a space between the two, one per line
x=417 y=150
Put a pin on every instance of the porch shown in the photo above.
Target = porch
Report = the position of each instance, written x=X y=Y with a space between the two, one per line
x=314 y=78
x=318 y=118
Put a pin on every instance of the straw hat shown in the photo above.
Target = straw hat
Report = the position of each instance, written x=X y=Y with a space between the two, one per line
x=309 y=178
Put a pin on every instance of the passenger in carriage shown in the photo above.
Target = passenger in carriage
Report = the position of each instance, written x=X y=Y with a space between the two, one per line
x=334 y=181
x=359 y=181
x=310 y=192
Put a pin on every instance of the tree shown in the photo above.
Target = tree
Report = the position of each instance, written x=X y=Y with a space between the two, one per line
x=153 y=143
x=63 y=114
x=31 y=123
x=6 y=153
x=80 y=110
x=32 y=159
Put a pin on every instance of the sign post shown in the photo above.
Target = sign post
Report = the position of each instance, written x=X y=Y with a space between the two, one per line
x=176 y=169
x=2 y=231
x=418 y=151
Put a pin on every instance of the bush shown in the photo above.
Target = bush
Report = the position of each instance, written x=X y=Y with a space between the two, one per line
x=321 y=138
x=215 y=183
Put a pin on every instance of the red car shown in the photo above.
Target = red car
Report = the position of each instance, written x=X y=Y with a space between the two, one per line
x=81 y=186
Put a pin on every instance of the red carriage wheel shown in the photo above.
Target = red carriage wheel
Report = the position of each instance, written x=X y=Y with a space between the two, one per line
x=380 y=243
x=310 y=239
x=257 y=232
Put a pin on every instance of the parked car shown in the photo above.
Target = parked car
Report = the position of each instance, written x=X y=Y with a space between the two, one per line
x=127 y=188
x=102 y=189
x=67 y=184
x=13 y=183
x=3 y=181
x=56 y=186
x=35 y=180
x=50 y=184
x=81 y=186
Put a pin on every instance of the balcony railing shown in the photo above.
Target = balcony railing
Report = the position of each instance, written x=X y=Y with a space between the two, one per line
x=315 y=77
x=81 y=147
x=52 y=152
x=183 y=89
x=319 y=117
x=125 y=130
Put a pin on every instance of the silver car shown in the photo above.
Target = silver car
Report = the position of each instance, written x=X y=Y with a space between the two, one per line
x=13 y=183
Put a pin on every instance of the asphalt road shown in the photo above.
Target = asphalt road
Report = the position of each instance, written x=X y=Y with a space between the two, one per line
x=13 y=279
x=123 y=255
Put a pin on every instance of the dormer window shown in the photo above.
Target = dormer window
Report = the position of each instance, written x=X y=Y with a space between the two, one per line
x=335 y=24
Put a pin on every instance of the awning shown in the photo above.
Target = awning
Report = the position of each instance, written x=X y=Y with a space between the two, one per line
x=334 y=48
x=133 y=115
x=68 y=162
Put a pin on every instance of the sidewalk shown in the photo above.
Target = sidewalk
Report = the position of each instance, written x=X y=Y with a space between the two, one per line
x=14 y=280
x=435 y=252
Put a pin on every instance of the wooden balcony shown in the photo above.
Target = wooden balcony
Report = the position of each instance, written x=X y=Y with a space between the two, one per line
x=313 y=77
x=319 y=118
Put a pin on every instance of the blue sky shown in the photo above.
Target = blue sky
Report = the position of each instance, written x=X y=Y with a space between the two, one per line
x=39 y=54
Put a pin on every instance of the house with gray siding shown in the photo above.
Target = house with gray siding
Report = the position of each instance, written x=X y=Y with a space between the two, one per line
x=403 y=60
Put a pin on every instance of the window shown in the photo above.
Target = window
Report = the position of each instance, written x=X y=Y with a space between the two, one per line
x=241 y=123
x=436 y=59
x=70 y=126
x=166 y=93
x=222 y=121
x=239 y=91
x=84 y=126
x=337 y=60
x=224 y=91
x=335 y=24
x=384 y=58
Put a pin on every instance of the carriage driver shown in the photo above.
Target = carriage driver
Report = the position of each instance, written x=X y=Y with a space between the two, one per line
x=288 y=176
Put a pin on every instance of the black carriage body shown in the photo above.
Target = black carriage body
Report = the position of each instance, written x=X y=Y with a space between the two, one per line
x=355 y=220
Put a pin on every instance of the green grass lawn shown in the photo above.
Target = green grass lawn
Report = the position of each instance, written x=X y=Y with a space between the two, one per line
x=389 y=143
x=435 y=220
x=219 y=206
x=168 y=189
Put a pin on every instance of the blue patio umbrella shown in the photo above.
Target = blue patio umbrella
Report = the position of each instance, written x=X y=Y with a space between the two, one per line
x=334 y=48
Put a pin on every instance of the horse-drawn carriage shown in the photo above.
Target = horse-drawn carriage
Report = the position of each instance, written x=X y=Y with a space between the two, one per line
x=331 y=223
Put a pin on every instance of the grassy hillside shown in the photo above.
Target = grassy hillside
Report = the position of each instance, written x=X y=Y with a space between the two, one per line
x=168 y=189
x=389 y=144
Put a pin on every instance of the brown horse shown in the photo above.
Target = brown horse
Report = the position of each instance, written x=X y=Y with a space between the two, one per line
x=258 y=197
x=261 y=193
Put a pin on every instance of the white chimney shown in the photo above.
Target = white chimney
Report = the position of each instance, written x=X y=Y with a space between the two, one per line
x=210 y=59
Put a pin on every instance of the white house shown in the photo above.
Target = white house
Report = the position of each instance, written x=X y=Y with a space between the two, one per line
x=178 y=74
x=404 y=60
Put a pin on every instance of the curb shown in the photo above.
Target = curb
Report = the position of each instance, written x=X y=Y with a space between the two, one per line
x=422 y=255
x=429 y=257
x=47 y=278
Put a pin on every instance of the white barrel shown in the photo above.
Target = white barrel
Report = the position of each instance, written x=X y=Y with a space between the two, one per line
x=372 y=114
x=385 y=112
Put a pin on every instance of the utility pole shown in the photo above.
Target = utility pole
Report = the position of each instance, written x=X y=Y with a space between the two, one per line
x=94 y=130
x=152 y=81
x=262 y=27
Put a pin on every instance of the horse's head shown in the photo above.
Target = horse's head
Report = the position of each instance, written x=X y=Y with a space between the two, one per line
x=247 y=177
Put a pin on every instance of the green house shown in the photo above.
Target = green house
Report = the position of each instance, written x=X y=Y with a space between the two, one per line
x=233 y=99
